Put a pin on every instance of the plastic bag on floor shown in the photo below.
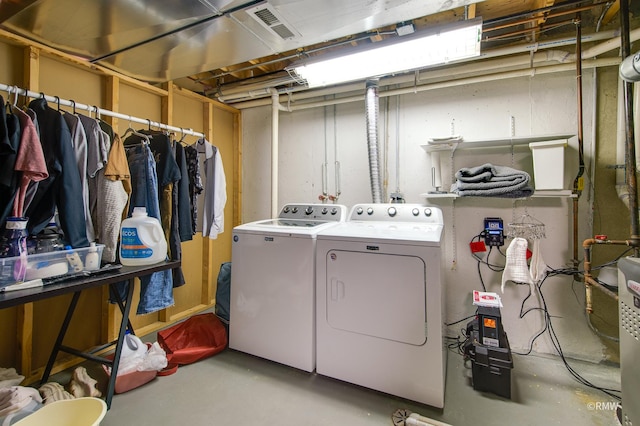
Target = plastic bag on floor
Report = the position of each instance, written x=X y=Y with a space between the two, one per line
x=139 y=356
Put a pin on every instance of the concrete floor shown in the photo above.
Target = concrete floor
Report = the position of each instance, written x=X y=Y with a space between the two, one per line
x=233 y=388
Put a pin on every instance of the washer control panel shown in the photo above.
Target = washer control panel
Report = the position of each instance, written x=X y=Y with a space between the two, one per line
x=329 y=212
x=385 y=212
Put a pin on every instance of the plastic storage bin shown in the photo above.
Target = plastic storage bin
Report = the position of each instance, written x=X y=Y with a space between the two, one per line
x=132 y=380
x=52 y=264
x=548 y=164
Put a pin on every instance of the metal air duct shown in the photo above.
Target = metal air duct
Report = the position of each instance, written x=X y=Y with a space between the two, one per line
x=371 y=113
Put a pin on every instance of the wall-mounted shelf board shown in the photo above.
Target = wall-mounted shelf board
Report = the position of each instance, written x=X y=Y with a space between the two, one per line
x=491 y=143
x=564 y=193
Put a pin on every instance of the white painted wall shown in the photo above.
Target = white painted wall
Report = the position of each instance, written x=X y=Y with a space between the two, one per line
x=539 y=105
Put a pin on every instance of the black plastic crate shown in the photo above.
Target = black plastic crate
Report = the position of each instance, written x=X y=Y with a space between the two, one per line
x=491 y=368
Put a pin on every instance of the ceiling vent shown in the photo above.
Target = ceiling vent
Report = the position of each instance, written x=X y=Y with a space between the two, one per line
x=270 y=18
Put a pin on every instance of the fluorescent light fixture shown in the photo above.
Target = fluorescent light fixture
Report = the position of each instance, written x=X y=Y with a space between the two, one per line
x=419 y=50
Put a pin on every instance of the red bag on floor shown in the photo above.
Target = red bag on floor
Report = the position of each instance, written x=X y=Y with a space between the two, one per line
x=196 y=338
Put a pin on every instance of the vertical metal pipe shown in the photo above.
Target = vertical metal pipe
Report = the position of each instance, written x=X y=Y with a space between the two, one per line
x=398 y=144
x=578 y=183
x=335 y=153
x=371 y=112
x=325 y=193
x=275 y=115
x=630 y=151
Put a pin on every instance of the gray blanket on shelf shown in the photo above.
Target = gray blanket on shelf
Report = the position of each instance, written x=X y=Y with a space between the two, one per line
x=490 y=180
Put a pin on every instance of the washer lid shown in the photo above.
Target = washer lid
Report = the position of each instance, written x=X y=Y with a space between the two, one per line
x=288 y=226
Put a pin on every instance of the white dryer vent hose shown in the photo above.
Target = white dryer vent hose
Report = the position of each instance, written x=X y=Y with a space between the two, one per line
x=417 y=420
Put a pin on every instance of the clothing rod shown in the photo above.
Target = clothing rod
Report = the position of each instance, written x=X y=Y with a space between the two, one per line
x=92 y=108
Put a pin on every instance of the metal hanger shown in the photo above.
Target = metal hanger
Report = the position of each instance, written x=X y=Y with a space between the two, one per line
x=15 y=99
x=8 y=106
x=130 y=130
x=527 y=227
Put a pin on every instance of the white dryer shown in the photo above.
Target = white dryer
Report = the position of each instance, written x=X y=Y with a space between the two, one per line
x=272 y=306
x=380 y=301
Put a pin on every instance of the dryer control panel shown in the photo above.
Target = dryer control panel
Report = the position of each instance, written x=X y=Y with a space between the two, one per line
x=329 y=212
x=390 y=212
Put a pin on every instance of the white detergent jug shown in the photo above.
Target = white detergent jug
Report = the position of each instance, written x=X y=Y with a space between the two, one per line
x=142 y=239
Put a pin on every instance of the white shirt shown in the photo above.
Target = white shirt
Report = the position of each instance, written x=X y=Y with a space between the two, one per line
x=215 y=190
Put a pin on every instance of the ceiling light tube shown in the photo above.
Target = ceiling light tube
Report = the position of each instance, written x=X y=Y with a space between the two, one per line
x=419 y=50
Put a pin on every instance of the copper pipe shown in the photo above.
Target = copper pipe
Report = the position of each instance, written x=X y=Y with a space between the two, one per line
x=528 y=30
x=595 y=283
x=537 y=18
x=578 y=182
x=543 y=10
x=588 y=295
x=589 y=281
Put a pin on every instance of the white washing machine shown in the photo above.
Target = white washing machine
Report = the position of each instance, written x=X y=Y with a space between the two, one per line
x=380 y=301
x=272 y=306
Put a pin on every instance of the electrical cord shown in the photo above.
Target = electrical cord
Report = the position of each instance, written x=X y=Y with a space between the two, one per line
x=458 y=345
x=548 y=327
x=522 y=314
x=484 y=288
x=479 y=260
x=556 y=343
x=494 y=268
x=462 y=339
x=461 y=320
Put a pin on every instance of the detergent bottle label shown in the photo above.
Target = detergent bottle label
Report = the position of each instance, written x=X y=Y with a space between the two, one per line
x=131 y=246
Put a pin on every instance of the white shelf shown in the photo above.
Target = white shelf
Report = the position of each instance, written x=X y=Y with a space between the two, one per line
x=439 y=195
x=491 y=143
x=564 y=193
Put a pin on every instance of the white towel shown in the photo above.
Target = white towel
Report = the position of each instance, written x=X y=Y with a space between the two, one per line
x=9 y=377
x=515 y=268
x=537 y=267
x=15 y=398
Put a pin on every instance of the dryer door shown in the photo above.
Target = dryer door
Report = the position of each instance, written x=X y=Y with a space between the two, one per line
x=377 y=294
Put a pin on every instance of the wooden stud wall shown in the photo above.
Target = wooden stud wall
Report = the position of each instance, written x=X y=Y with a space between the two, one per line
x=22 y=321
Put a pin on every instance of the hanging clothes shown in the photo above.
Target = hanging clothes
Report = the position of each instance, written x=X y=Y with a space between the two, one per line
x=181 y=214
x=60 y=190
x=80 y=147
x=30 y=163
x=156 y=290
x=195 y=184
x=9 y=145
x=96 y=155
x=181 y=197
x=33 y=185
x=112 y=189
x=118 y=168
x=215 y=189
x=169 y=176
